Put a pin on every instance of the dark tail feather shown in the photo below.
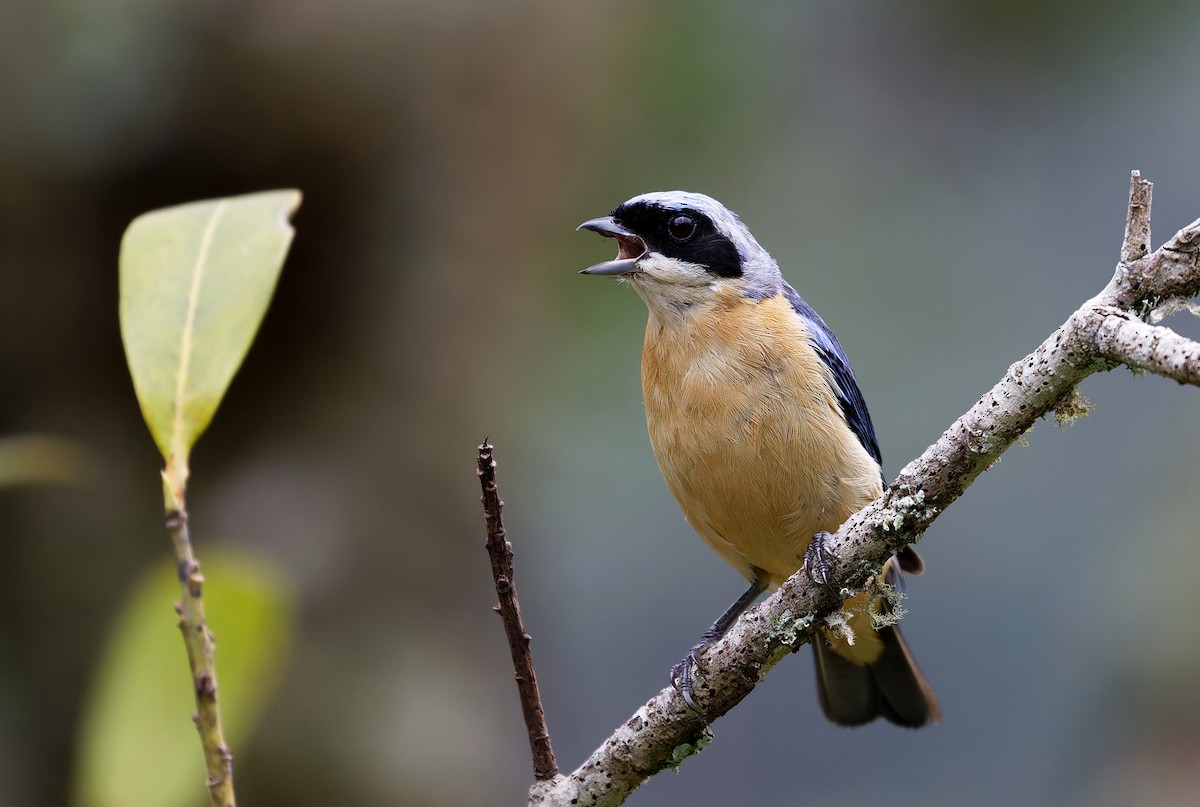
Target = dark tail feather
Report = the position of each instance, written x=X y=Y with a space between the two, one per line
x=844 y=688
x=892 y=687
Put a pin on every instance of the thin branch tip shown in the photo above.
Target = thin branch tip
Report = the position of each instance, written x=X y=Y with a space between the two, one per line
x=1136 y=244
x=509 y=608
x=201 y=648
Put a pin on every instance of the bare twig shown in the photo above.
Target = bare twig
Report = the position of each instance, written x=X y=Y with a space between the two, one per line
x=1137 y=219
x=1106 y=331
x=200 y=649
x=1123 y=338
x=500 y=551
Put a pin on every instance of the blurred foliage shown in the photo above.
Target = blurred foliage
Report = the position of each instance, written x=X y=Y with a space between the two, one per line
x=137 y=746
x=945 y=182
x=41 y=459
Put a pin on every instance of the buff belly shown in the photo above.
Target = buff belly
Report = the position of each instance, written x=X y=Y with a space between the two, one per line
x=749 y=435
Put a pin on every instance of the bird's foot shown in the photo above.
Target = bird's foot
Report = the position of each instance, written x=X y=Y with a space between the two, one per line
x=683 y=676
x=818 y=559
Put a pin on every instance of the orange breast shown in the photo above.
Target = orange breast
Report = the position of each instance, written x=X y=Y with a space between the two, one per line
x=748 y=433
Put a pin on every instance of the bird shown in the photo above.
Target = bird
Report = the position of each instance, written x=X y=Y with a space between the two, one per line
x=762 y=436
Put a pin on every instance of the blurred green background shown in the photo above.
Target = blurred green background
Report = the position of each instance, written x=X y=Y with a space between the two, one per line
x=945 y=182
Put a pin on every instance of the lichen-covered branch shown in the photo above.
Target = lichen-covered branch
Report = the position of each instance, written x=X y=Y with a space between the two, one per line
x=1113 y=328
x=1128 y=340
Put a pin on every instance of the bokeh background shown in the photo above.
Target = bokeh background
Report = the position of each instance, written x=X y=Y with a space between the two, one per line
x=944 y=181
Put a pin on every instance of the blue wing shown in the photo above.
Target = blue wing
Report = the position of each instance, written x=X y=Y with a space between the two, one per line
x=854 y=408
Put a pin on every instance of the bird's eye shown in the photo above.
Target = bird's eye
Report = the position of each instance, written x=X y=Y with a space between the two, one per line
x=681 y=228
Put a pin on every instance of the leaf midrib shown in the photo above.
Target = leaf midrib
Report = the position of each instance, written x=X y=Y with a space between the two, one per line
x=189 y=325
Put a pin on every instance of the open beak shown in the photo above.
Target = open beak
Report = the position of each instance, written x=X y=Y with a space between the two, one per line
x=631 y=248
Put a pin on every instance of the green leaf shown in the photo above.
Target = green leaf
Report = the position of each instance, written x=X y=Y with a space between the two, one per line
x=195 y=283
x=137 y=743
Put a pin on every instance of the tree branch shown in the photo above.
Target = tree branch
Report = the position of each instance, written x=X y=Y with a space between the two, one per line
x=1137 y=219
x=1127 y=340
x=1106 y=331
x=201 y=647
x=500 y=551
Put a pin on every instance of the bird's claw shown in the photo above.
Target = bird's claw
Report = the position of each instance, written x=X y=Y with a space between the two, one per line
x=817 y=560
x=683 y=675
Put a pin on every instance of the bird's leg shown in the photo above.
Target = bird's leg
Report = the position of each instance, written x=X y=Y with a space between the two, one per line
x=683 y=673
x=817 y=559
